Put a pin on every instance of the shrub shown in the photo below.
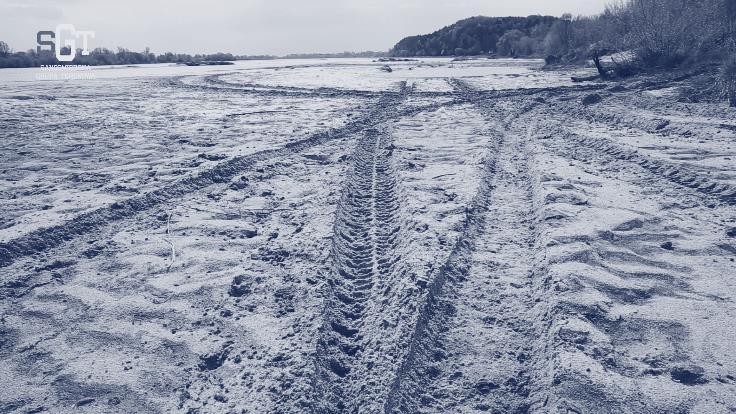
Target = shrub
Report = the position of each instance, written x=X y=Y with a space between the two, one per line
x=626 y=68
x=552 y=60
x=728 y=79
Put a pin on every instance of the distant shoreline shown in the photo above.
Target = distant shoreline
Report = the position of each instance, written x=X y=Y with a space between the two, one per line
x=106 y=57
x=384 y=59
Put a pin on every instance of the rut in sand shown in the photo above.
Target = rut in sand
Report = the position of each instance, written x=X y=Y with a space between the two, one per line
x=472 y=345
x=354 y=351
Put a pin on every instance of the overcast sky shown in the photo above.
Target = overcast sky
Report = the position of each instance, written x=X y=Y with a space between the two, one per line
x=258 y=26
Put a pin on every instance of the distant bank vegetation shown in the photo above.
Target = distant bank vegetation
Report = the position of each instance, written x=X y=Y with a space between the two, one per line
x=104 y=56
x=660 y=32
x=650 y=33
x=122 y=56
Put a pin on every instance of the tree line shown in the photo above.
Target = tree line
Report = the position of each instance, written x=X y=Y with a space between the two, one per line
x=514 y=36
x=659 y=32
x=104 y=56
x=122 y=56
x=646 y=34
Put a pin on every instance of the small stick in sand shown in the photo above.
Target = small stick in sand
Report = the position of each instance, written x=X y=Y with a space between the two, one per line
x=166 y=239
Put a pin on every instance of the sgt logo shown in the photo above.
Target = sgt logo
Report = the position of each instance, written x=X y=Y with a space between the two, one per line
x=67 y=36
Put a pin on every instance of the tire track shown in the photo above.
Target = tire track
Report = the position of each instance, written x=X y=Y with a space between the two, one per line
x=372 y=331
x=352 y=357
x=217 y=82
x=485 y=100
x=480 y=95
x=627 y=265
x=213 y=83
x=420 y=367
x=675 y=173
x=44 y=239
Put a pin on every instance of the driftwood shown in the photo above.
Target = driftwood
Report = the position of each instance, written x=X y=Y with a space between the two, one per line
x=585 y=78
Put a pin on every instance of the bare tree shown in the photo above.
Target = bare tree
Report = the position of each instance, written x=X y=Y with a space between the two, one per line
x=4 y=49
x=728 y=79
x=729 y=7
x=508 y=44
x=559 y=36
x=670 y=31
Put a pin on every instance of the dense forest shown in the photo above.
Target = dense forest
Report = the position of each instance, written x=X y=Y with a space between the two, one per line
x=480 y=35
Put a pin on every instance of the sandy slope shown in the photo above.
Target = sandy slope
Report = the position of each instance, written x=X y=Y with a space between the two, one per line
x=357 y=242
